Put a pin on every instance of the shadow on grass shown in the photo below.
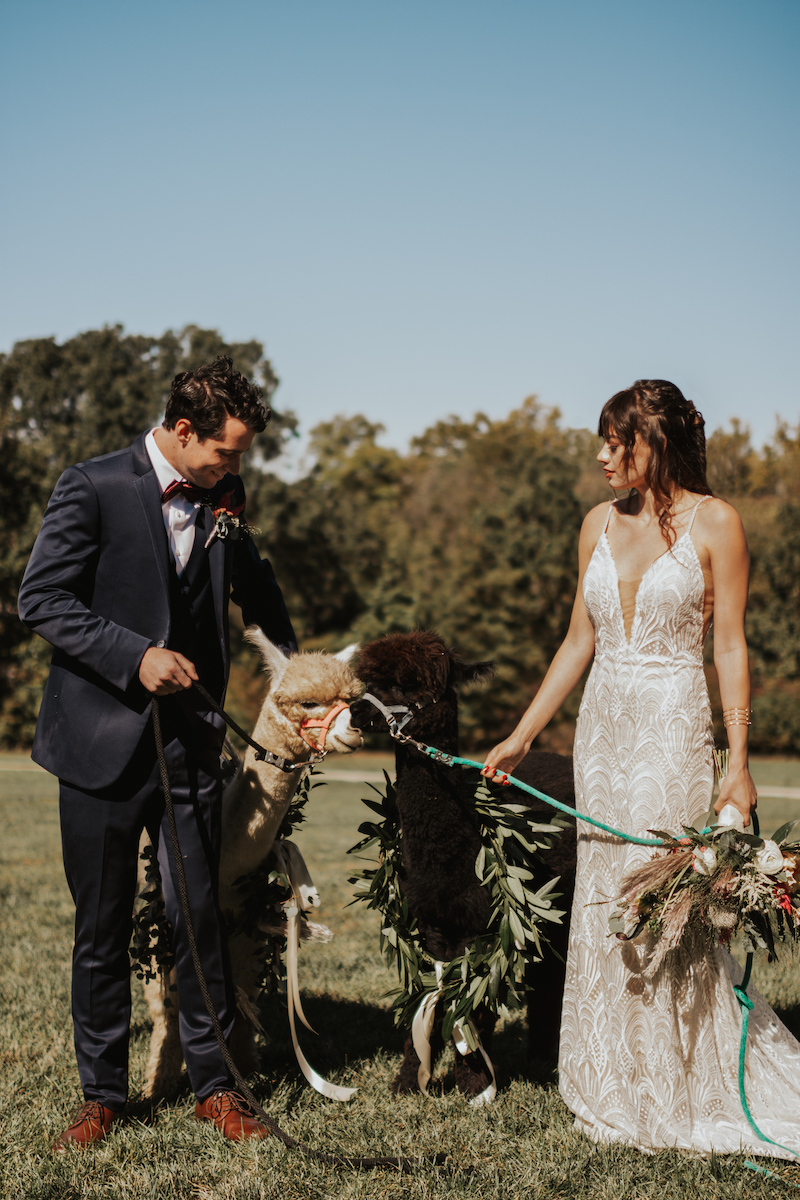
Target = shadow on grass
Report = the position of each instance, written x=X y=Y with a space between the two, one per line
x=350 y=1033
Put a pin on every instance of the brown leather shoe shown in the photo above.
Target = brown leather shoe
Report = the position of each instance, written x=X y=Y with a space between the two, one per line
x=90 y=1125
x=231 y=1114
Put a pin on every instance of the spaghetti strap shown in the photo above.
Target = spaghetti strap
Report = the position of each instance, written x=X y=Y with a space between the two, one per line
x=694 y=511
x=608 y=518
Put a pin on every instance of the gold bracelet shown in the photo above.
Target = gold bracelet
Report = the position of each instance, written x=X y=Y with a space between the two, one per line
x=736 y=716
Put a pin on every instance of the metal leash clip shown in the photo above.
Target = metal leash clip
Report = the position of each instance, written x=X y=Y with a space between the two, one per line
x=274 y=760
x=440 y=756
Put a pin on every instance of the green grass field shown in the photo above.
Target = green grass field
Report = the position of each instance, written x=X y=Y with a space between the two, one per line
x=521 y=1146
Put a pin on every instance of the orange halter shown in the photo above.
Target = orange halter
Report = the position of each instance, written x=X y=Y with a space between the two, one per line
x=324 y=726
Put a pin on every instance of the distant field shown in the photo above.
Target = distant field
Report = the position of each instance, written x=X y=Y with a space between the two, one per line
x=522 y=1146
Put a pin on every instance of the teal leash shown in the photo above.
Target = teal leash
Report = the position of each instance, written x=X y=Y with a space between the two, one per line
x=740 y=990
x=453 y=760
x=746 y=1005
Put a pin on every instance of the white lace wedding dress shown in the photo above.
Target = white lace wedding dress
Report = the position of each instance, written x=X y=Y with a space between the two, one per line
x=653 y=1063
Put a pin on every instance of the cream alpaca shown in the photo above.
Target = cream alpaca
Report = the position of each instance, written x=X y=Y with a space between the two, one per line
x=306 y=686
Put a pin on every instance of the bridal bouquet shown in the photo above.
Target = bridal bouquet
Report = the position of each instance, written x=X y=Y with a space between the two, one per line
x=716 y=882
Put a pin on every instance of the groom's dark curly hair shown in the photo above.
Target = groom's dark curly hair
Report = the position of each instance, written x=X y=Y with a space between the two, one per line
x=211 y=394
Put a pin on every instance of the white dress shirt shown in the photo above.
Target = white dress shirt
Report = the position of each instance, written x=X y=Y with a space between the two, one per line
x=180 y=513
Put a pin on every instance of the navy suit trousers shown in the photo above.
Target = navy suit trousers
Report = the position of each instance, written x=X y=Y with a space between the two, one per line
x=100 y=836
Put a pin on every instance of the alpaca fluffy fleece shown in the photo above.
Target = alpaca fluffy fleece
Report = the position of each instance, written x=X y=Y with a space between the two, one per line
x=440 y=840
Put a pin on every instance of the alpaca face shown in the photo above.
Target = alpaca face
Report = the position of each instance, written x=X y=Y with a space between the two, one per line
x=303 y=691
x=310 y=689
x=414 y=669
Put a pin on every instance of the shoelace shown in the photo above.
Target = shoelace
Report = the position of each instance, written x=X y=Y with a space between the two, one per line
x=222 y=1103
x=92 y=1110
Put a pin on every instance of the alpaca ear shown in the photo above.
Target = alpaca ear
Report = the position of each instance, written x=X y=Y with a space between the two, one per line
x=471 y=672
x=273 y=659
x=344 y=656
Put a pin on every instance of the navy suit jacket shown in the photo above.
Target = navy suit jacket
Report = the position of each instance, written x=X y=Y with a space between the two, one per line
x=97 y=587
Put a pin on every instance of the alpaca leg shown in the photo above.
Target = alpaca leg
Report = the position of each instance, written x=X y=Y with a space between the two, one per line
x=545 y=998
x=472 y=1074
x=406 y=1079
x=545 y=982
x=165 y=1060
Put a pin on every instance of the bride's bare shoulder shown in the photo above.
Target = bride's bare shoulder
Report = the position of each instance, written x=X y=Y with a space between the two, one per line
x=718 y=519
x=593 y=524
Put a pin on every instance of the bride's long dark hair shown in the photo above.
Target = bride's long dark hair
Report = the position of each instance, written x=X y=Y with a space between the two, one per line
x=673 y=429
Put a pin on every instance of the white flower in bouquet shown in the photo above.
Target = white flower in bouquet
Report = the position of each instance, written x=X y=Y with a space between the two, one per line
x=769 y=859
x=704 y=860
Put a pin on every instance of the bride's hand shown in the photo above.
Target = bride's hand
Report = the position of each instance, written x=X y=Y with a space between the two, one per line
x=505 y=756
x=738 y=789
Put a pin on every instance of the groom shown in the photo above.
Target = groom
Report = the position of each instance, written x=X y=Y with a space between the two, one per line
x=129 y=580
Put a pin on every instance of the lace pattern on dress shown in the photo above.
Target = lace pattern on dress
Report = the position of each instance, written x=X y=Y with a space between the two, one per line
x=653 y=1062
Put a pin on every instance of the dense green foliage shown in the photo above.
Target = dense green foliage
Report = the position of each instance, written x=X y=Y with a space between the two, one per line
x=765 y=487
x=473 y=531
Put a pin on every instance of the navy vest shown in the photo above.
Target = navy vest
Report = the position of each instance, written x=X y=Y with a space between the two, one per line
x=193 y=624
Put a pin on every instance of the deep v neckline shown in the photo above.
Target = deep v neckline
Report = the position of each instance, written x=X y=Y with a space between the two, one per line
x=642 y=578
x=609 y=551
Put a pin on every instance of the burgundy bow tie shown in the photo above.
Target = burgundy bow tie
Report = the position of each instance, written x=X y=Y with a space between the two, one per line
x=182 y=487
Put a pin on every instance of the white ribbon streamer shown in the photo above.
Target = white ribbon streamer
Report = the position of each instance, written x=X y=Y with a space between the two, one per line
x=304 y=897
x=421 y=1036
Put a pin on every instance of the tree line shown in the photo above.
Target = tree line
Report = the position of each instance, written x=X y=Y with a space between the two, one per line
x=473 y=531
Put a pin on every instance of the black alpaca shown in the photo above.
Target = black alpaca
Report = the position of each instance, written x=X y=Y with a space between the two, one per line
x=440 y=840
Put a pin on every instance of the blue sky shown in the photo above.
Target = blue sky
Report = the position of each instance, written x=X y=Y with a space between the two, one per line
x=420 y=208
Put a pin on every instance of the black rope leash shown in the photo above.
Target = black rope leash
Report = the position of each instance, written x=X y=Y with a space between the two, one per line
x=262 y=754
x=406 y=1165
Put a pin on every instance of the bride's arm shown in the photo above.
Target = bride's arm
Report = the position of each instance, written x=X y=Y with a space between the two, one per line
x=730 y=570
x=565 y=671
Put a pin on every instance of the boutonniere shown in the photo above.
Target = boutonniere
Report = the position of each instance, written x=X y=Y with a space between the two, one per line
x=228 y=520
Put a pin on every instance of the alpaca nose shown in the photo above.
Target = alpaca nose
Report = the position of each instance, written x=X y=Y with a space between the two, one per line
x=362 y=714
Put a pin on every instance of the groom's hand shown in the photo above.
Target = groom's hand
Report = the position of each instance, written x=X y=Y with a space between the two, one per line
x=165 y=671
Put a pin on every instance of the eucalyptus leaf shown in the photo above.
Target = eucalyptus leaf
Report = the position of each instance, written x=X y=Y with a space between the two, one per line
x=516 y=927
x=480 y=862
x=782 y=834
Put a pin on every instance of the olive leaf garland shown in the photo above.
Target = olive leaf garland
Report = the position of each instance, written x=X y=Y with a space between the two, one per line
x=492 y=970
x=263 y=893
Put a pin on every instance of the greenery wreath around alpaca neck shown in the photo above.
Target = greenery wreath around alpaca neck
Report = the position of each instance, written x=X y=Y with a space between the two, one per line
x=260 y=915
x=492 y=969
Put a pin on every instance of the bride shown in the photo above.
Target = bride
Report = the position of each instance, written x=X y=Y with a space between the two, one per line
x=650 y=1059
